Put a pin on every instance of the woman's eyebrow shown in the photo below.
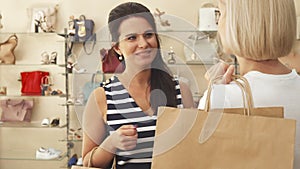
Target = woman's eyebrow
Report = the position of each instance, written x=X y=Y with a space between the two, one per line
x=131 y=34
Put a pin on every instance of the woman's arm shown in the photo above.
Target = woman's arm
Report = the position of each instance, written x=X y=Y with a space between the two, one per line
x=187 y=97
x=94 y=125
x=94 y=129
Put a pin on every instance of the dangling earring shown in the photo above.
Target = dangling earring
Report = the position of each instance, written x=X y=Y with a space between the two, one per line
x=121 y=57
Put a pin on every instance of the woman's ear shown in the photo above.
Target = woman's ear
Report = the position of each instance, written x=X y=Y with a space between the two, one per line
x=116 y=48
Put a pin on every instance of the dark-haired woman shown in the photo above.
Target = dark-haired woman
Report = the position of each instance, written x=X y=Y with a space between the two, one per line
x=120 y=116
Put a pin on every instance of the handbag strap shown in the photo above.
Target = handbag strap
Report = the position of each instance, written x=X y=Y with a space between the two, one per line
x=98 y=72
x=93 y=39
x=17 y=107
x=10 y=102
x=93 y=79
x=46 y=81
x=12 y=37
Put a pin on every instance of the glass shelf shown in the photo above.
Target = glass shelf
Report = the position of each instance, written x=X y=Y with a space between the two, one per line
x=30 y=65
x=191 y=63
x=199 y=62
x=72 y=140
x=28 y=125
x=72 y=104
x=20 y=95
x=25 y=155
x=30 y=33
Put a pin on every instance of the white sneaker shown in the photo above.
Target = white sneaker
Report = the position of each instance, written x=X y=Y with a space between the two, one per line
x=76 y=70
x=55 y=151
x=45 y=154
x=79 y=161
x=52 y=150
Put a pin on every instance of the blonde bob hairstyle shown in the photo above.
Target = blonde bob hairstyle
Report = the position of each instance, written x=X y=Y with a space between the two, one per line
x=260 y=29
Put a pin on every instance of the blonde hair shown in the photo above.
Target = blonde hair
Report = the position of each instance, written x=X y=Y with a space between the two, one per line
x=260 y=29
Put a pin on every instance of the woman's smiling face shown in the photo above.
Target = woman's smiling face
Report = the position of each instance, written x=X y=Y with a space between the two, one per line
x=137 y=42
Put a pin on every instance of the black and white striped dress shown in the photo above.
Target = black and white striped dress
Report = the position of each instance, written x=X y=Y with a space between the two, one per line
x=123 y=110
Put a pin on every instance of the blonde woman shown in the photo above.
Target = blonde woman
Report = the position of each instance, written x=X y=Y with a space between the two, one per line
x=258 y=33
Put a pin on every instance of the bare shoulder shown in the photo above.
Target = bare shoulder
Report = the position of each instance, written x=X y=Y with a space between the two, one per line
x=100 y=97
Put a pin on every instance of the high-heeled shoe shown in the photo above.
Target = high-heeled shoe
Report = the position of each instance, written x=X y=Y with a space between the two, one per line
x=55 y=122
x=53 y=57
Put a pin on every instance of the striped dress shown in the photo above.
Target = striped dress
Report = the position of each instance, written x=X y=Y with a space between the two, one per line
x=123 y=110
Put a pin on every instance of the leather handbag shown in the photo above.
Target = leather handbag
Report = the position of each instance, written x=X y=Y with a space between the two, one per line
x=16 y=110
x=89 y=86
x=84 y=32
x=46 y=83
x=7 y=48
x=111 y=61
x=31 y=82
x=84 y=29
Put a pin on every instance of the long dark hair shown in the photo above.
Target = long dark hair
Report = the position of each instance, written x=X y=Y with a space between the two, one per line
x=159 y=69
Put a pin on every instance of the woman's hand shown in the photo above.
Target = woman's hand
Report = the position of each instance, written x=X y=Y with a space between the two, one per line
x=125 y=138
x=219 y=69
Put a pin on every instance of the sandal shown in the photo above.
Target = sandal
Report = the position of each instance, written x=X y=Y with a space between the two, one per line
x=45 y=58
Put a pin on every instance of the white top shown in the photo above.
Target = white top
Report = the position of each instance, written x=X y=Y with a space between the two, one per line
x=267 y=90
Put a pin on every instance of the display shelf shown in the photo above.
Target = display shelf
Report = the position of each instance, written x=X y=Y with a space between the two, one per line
x=26 y=155
x=21 y=96
x=72 y=140
x=71 y=104
x=26 y=135
x=31 y=65
x=199 y=62
x=28 y=125
x=30 y=33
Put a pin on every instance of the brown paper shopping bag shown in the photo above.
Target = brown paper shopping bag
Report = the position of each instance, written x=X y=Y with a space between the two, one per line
x=211 y=139
x=239 y=142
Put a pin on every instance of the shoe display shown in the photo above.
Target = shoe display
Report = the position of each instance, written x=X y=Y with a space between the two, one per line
x=79 y=162
x=55 y=151
x=51 y=150
x=45 y=122
x=45 y=58
x=70 y=101
x=77 y=70
x=55 y=122
x=53 y=57
x=47 y=154
x=72 y=160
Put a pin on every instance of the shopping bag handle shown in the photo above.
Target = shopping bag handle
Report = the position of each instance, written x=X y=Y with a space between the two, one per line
x=243 y=83
x=214 y=116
